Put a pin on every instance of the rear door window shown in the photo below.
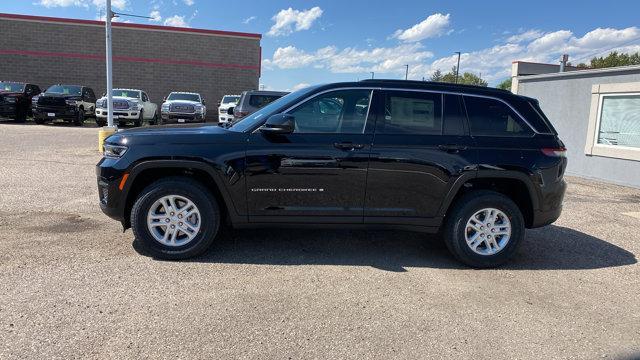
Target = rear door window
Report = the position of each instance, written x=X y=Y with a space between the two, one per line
x=454 y=118
x=409 y=112
x=491 y=117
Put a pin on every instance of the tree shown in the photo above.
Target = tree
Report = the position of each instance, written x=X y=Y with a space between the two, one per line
x=614 y=59
x=436 y=76
x=505 y=85
x=466 y=78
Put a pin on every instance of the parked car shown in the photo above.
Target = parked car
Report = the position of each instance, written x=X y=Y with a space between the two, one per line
x=253 y=100
x=128 y=105
x=225 y=108
x=476 y=164
x=183 y=107
x=15 y=99
x=66 y=102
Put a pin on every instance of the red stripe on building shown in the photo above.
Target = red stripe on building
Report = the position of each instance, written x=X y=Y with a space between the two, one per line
x=127 y=59
x=128 y=25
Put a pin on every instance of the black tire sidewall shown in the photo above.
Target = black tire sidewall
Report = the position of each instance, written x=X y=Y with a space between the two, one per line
x=140 y=120
x=469 y=205
x=209 y=217
x=79 y=121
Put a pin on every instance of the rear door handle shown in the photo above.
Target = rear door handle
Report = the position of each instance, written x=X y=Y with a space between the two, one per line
x=348 y=146
x=451 y=148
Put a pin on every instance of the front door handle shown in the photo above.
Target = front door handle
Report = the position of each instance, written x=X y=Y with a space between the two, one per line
x=348 y=146
x=452 y=148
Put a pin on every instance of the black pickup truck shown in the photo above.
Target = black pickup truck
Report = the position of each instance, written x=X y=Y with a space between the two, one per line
x=71 y=103
x=15 y=99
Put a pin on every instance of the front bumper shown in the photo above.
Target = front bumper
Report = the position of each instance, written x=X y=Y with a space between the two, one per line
x=119 y=114
x=172 y=117
x=52 y=113
x=112 y=201
x=7 y=109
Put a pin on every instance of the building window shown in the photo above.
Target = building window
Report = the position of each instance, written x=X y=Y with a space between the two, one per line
x=620 y=121
x=614 y=123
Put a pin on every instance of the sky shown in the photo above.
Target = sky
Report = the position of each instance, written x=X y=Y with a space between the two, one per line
x=311 y=42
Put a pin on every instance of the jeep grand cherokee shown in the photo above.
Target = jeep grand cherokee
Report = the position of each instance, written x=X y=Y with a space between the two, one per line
x=479 y=164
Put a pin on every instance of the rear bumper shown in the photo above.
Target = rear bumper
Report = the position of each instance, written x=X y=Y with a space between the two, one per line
x=551 y=205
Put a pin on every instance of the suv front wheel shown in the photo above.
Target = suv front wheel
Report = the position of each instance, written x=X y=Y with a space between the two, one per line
x=484 y=229
x=175 y=218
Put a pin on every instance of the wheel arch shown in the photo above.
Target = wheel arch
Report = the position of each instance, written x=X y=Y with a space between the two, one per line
x=516 y=185
x=146 y=172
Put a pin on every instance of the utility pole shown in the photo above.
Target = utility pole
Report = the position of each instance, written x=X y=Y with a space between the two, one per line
x=457 y=67
x=372 y=74
x=109 y=15
x=406 y=72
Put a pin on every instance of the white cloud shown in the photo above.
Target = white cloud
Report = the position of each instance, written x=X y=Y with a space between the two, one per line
x=249 y=19
x=493 y=63
x=61 y=3
x=176 y=20
x=290 y=20
x=350 y=60
x=299 y=86
x=115 y=4
x=155 y=16
x=433 y=26
x=525 y=36
x=188 y=2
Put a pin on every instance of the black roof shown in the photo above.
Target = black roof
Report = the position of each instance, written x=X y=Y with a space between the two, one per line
x=436 y=86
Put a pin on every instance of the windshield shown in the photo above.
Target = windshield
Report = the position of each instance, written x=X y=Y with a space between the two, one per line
x=126 y=93
x=230 y=99
x=256 y=118
x=11 y=87
x=65 y=90
x=188 y=97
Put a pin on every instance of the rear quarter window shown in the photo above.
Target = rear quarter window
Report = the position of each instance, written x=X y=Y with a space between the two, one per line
x=491 y=117
x=261 y=100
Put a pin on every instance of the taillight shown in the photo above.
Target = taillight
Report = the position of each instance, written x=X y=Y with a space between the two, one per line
x=555 y=152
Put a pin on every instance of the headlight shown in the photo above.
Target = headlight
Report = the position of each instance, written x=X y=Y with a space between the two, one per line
x=114 y=151
x=71 y=102
x=199 y=108
x=165 y=107
x=10 y=99
x=133 y=104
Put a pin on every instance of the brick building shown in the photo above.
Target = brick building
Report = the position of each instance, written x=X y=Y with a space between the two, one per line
x=157 y=59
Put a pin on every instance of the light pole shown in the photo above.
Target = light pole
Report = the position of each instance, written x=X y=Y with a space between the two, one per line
x=406 y=72
x=109 y=15
x=457 y=67
x=372 y=74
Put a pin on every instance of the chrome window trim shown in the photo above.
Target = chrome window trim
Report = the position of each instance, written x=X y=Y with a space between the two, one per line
x=373 y=88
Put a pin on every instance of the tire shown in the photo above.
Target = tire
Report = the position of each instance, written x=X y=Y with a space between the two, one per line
x=79 y=120
x=101 y=122
x=475 y=203
x=140 y=119
x=154 y=121
x=179 y=187
x=21 y=115
x=122 y=123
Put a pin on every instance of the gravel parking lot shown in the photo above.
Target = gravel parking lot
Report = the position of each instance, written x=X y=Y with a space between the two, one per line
x=73 y=286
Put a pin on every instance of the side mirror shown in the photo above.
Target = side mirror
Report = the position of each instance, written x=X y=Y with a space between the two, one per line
x=218 y=104
x=204 y=102
x=279 y=124
x=164 y=99
x=230 y=111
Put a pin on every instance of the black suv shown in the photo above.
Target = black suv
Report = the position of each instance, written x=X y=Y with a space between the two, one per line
x=477 y=164
x=15 y=99
x=67 y=102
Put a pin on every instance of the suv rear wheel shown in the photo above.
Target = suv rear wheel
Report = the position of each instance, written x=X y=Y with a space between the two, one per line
x=175 y=218
x=484 y=229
